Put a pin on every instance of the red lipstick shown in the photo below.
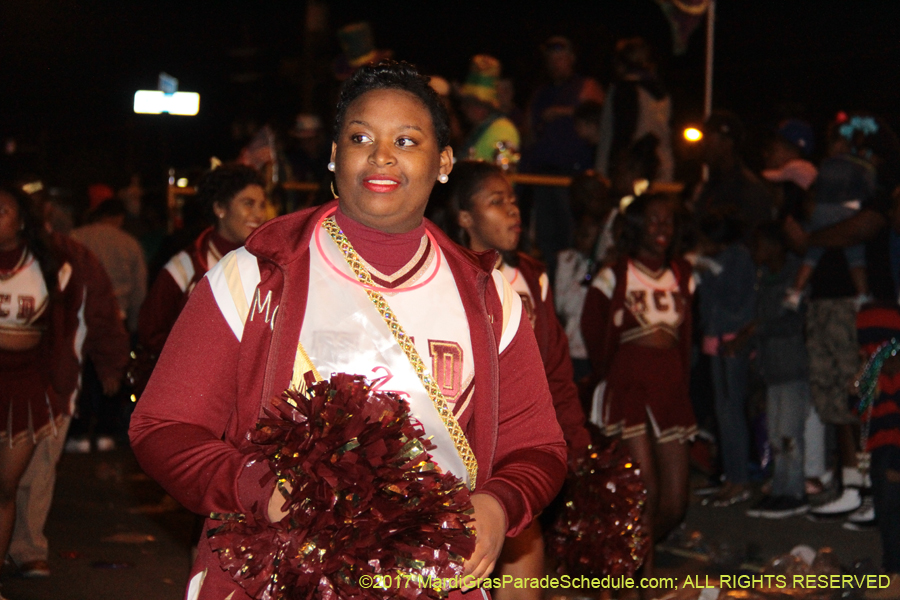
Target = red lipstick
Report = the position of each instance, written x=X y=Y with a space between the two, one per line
x=381 y=184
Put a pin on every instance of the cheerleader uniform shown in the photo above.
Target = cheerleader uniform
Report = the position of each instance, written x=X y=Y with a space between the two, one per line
x=221 y=365
x=30 y=407
x=174 y=285
x=644 y=385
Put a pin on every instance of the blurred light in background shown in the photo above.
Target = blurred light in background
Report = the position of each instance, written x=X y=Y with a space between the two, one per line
x=692 y=134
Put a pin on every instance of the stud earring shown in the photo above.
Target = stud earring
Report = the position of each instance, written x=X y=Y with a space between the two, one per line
x=330 y=166
x=442 y=177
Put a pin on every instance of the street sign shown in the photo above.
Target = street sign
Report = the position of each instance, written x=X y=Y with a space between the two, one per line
x=154 y=102
x=167 y=84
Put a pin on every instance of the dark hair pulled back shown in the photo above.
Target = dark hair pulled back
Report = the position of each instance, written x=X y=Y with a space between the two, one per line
x=222 y=184
x=467 y=177
x=393 y=75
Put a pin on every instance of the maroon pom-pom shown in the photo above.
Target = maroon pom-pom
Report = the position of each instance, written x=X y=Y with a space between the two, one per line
x=599 y=531
x=365 y=500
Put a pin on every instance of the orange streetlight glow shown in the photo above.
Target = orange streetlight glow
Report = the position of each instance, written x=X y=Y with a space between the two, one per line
x=692 y=134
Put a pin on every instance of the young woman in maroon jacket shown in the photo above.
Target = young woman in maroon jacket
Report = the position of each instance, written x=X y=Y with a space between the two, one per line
x=235 y=345
x=637 y=325
x=484 y=209
x=40 y=294
x=234 y=197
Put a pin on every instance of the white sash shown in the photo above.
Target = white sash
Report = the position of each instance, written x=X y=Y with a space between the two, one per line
x=343 y=333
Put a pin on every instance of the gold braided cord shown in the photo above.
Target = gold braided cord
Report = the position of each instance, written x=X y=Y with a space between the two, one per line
x=437 y=398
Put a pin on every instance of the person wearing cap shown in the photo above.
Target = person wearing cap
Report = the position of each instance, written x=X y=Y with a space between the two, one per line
x=491 y=131
x=357 y=49
x=637 y=106
x=845 y=180
x=787 y=166
x=732 y=190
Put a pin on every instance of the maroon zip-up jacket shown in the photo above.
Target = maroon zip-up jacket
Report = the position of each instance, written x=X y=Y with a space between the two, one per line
x=554 y=348
x=208 y=388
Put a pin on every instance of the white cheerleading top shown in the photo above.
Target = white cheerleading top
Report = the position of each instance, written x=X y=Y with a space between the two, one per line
x=653 y=301
x=23 y=301
x=344 y=333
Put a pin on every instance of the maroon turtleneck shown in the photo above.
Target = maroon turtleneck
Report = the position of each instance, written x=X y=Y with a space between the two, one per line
x=387 y=252
x=10 y=258
x=222 y=245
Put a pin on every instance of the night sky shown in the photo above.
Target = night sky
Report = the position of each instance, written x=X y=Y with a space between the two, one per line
x=70 y=68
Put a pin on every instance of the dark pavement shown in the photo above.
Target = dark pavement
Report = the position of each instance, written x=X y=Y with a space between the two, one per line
x=114 y=534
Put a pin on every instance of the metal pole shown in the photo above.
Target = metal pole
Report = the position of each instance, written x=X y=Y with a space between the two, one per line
x=710 y=49
x=708 y=87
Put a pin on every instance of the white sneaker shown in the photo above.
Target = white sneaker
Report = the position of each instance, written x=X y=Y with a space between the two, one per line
x=77 y=446
x=105 y=443
x=847 y=502
x=865 y=512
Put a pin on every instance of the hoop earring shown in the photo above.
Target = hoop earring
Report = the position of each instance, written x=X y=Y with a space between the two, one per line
x=330 y=166
x=333 y=193
x=443 y=178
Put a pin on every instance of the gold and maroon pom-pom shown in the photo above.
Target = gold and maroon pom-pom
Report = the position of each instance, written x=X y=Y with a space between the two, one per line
x=365 y=500
x=598 y=530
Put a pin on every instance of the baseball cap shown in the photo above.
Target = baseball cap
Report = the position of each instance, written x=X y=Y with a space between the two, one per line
x=798 y=133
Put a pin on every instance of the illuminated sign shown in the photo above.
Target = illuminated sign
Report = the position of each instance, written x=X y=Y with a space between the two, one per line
x=154 y=102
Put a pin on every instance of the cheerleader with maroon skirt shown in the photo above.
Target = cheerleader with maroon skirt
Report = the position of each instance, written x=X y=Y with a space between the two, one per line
x=40 y=294
x=636 y=325
x=646 y=386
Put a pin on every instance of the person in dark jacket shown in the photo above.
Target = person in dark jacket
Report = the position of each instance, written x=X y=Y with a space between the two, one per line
x=784 y=366
x=727 y=306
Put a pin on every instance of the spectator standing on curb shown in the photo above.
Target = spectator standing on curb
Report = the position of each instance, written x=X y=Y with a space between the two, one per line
x=637 y=106
x=99 y=414
x=727 y=305
x=490 y=133
x=554 y=146
x=784 y=366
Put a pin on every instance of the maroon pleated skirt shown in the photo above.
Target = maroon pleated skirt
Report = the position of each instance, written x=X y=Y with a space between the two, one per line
x=648 y=388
